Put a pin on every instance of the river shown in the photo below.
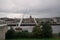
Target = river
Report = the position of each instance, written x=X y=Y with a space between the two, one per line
x=55 y=28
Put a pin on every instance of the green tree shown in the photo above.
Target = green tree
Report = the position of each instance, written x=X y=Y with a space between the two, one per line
x=10 y=33
x=37 y=31
x=46 y=30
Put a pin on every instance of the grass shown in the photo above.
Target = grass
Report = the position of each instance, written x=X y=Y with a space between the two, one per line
x=36 y=39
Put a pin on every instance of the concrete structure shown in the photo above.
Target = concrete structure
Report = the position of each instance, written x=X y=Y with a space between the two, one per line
x=3 y=30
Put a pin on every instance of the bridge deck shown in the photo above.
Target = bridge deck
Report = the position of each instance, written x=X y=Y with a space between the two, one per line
x=27 y=24
x=23 y=24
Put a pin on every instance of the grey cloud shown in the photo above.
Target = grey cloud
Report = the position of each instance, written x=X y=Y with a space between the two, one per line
x=39 y=7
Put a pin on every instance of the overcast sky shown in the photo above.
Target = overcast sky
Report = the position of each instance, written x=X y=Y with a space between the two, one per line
x=36 y=8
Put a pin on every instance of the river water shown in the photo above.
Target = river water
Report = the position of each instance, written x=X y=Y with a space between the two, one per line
x=55 y=28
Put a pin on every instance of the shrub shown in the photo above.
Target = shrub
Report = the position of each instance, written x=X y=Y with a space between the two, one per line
x=46 y=30
x=36 y=32
x=10 y=33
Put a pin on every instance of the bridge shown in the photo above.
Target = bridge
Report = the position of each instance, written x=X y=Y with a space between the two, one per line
x=25 y=24
x=22 y=24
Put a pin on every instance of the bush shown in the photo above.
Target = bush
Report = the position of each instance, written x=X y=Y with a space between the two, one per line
x=46 y=30
x=10 y=33
x=36 y=32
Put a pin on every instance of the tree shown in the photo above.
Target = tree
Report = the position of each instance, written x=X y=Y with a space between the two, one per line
x=37 y=31
x=10 y=33
x=46 y=30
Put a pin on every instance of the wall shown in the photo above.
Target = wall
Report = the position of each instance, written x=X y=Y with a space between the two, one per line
x=3 y=30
